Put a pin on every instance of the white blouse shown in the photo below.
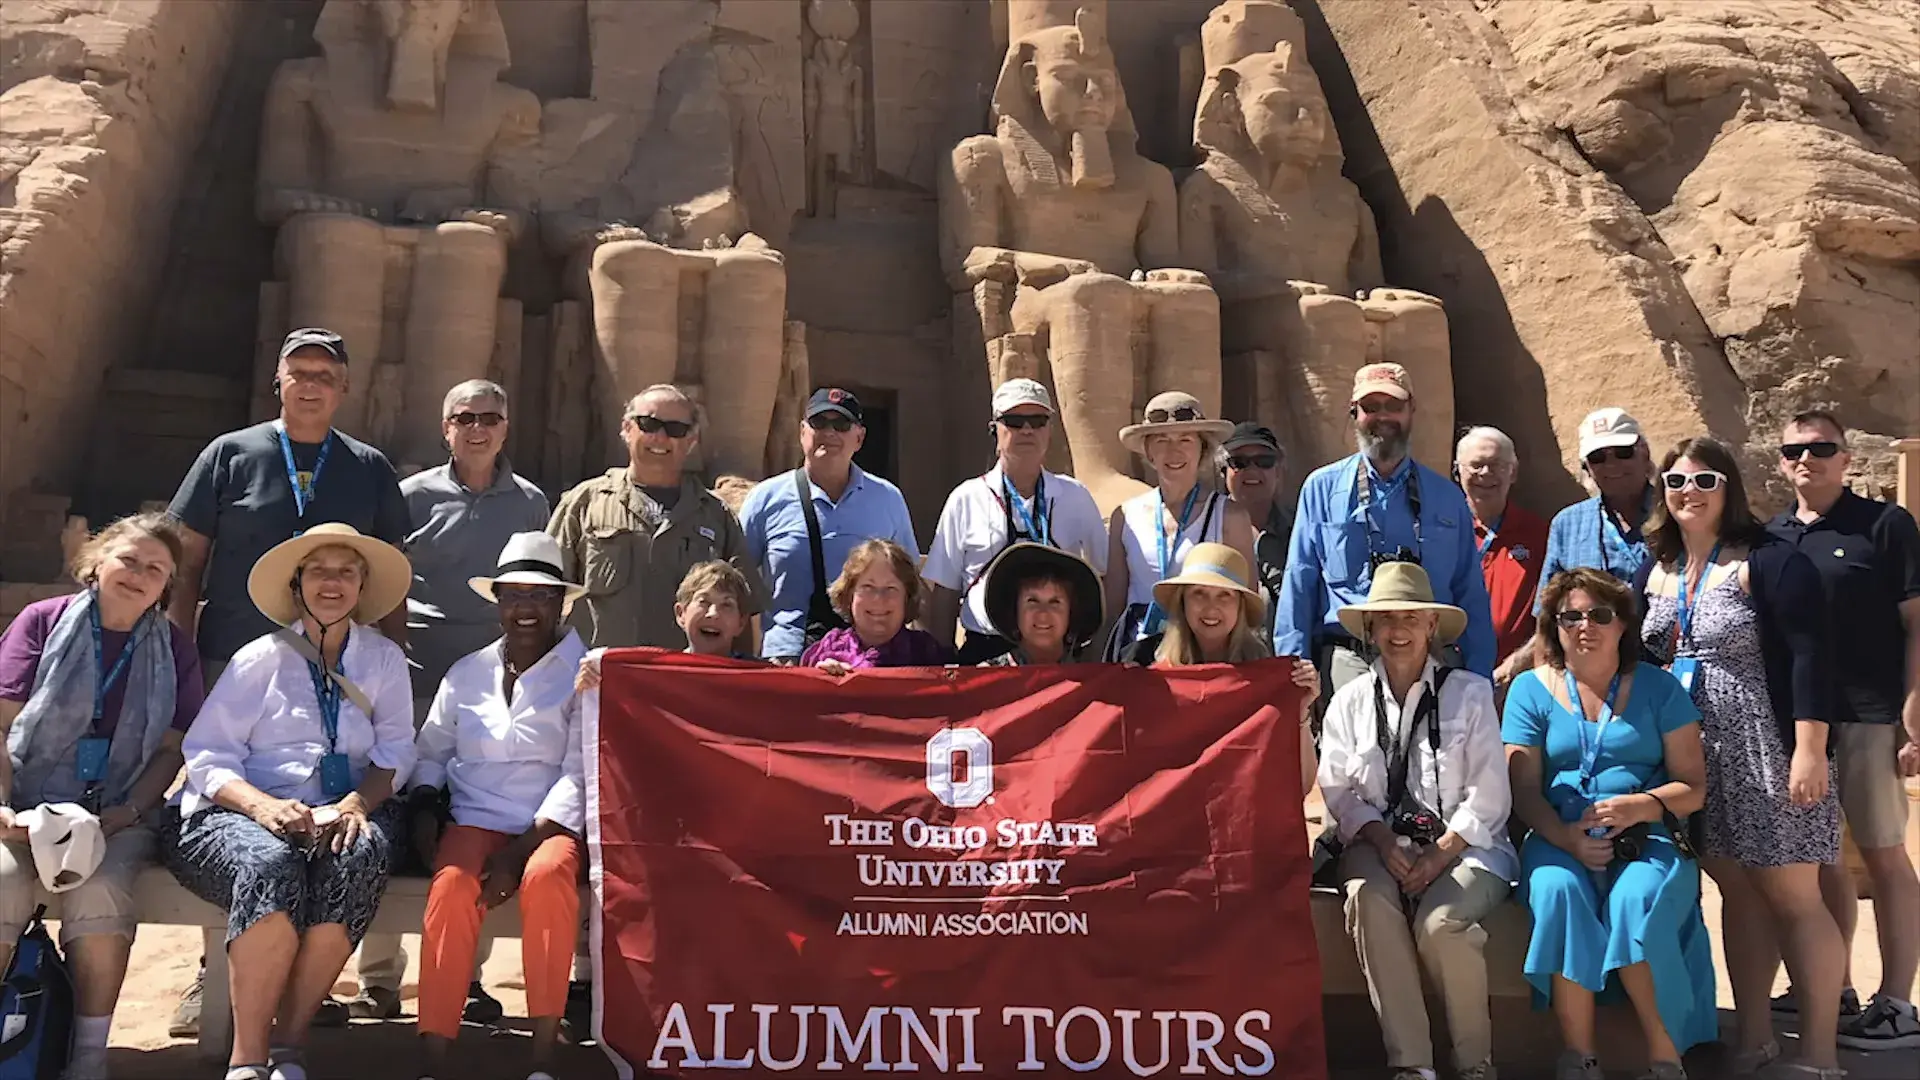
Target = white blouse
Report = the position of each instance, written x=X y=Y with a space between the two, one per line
x=1145 y=527
x=1474 y=797
x=261 y=722
x=508 y=762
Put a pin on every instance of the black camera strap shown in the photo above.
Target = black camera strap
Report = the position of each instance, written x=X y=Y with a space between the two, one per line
x=1363 y=490
x=821 y=617
x=1400 y=751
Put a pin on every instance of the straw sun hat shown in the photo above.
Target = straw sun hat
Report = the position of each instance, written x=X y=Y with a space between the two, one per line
x=1172 y=413
x=1216 y=566
x=389 y=574
x=1402 y=586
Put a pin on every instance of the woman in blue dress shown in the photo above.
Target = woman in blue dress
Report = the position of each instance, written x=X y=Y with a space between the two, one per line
x=1605 y=758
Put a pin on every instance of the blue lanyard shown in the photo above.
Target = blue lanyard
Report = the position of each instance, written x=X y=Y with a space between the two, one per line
x=1035 y=524
x=1155 y=617
x=1590 y=755
x=303 y=494
x=1493 y=530
x=1626 y=545
x=328 y=693
x=104 y=678
x=1683 y=624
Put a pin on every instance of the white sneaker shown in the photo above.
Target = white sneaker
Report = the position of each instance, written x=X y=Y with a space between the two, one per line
x=86 y=1065
x=1887 y=1024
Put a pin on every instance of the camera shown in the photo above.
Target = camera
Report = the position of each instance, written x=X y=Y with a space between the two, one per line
x=1377 y=559
x=1631 y=843
x=1418 y=824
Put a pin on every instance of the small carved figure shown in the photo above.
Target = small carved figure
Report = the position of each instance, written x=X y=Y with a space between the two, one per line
x=836 y=102
x=383 y=146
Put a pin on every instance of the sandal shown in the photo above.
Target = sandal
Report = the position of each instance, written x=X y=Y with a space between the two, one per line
x=1794 y=1070
x=1750 y=1062
x=248 y=1072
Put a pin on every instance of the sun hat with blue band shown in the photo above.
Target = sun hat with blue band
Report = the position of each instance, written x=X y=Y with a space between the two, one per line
x=1216 y=566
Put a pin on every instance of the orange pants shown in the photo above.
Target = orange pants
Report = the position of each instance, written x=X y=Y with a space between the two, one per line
x=549 y=898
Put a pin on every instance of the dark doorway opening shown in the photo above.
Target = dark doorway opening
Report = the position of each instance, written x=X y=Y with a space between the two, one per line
x=878 y=454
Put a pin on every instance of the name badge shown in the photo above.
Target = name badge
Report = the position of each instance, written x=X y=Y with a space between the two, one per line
x=90 y=759
x=336 y=775
x=1684 y=668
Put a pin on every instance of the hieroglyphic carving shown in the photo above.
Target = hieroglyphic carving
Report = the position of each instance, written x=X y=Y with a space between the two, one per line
x=836 y=104
x=375 y=163
x=1063 y=232
x=1290 y=245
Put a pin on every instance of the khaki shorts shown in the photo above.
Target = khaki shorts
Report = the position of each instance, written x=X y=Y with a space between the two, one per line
x=1872 y=793
x=103 y=904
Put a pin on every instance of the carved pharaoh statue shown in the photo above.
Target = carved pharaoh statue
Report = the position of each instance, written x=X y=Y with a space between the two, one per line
x=835 y=94
x=1068 y=240
x=1290 y=245
x=374 y=162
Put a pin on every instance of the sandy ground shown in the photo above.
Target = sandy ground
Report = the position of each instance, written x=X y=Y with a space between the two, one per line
x=164 y=959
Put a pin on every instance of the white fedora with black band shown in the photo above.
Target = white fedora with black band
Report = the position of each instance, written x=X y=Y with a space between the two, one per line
x=530 y=558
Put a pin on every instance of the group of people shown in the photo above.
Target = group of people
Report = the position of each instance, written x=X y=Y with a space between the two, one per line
x=357 y=671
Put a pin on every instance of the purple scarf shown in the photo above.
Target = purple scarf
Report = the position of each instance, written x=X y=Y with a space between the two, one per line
x=908 y=648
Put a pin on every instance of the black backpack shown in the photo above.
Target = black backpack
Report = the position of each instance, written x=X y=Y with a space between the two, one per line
x=36 y=1007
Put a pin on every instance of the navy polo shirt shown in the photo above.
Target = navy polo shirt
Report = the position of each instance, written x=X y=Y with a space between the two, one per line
x=1868 y=555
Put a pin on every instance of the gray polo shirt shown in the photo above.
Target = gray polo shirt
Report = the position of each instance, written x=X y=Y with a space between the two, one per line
x=458 y=534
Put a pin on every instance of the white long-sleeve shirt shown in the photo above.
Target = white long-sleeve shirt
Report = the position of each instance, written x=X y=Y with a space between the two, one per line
x=507 y=762
x=1474 y=797
x=261 y=722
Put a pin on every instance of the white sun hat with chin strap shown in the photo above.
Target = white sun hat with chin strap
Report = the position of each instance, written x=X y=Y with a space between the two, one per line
x=66 y=841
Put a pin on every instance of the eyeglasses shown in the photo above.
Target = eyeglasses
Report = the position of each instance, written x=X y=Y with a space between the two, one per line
x=1182 y=414
x=1618 y=453
x=517 y=593
x=1016 y=422
x=830 y=422
x=653 y=425
x=1599 y=615
x=484 y=419
x=1823 y=450
x=1257 y=461
x=1705 y=480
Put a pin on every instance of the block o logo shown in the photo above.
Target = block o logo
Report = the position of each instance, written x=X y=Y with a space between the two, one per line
x=978 y=751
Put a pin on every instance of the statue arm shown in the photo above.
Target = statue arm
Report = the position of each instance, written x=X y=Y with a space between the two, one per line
x=1363 y=263
x=971 y=188
x=290 y=169
x=1199 y=247
x=1159 y=239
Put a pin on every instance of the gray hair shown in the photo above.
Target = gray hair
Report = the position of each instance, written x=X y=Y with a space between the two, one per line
x=474 y=390
x=671 y=393
x=1492 y=434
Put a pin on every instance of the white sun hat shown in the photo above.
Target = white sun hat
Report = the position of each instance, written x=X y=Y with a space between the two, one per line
x=530 y=558
x=66 y=841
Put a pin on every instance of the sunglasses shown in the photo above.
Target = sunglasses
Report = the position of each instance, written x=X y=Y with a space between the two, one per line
x=1572 y=617
x=1706 y=480
x=653 y=425
x=830 y=422
x=1182 y=414
x=1618 y=453
x=1257 y=461
x=484 y=419
x=1036 y=421
x=1823 y=450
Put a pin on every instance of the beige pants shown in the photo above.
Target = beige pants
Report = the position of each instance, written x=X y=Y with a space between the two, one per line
x=1444 y=938
x=1872 y=792
x=102 y=904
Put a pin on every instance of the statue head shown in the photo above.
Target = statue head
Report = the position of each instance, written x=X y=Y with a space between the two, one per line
x=835 y=20
x=418 y=37
x=1059 y=87
x=1266 y=105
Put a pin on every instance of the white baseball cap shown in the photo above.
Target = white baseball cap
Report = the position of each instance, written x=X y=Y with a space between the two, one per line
x=1017 y=392
x=1605 y=428
x=66 y=842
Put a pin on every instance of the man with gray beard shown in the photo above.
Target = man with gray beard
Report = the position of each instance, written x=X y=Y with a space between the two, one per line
x=1375 y=507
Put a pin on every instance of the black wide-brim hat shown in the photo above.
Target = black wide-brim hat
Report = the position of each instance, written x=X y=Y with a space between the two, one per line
x=1024 y=561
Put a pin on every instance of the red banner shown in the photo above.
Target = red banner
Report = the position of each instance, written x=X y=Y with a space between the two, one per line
x=995 y=871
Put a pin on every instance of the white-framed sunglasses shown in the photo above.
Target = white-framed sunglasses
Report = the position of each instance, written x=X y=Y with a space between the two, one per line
x=1704 y=480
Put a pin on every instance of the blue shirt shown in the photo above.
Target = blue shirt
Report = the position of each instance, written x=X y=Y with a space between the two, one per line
x=1328 y=564
x=1631 y=758
x=1584 y=535
x=776 y=530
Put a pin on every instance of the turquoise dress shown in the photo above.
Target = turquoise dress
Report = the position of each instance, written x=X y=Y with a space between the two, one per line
x=1587 y=924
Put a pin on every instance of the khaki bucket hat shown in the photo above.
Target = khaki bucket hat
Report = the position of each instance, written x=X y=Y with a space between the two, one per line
x=1217 y=566
x=1403 y=586
x=1172 y=413
x=389 y=574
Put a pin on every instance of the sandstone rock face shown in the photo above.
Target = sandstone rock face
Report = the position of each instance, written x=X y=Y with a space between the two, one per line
x=102 y=103
x=1704 y=212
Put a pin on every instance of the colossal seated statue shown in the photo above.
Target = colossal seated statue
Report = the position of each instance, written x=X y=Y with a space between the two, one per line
x=374 y=163
x=1290 y=246
x=1068 y=241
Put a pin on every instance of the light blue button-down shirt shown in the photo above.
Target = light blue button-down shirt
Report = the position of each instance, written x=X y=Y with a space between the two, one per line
x=776 y=528
x=1581 y=535
x=1328 y=564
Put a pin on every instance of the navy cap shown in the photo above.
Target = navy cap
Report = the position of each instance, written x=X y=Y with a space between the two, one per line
x=314 y=337
x=833 y=399
x=1248 y=433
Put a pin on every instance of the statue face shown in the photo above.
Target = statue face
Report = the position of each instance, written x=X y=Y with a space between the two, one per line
x=1287 y=121
x=1076 y=92
x=421 y=32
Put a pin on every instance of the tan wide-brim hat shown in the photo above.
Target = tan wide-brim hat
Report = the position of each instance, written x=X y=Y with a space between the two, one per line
x=389 y=574
x=1403 y=586
x=1020 y=563
x=1217 y=566
x=1168 y=407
